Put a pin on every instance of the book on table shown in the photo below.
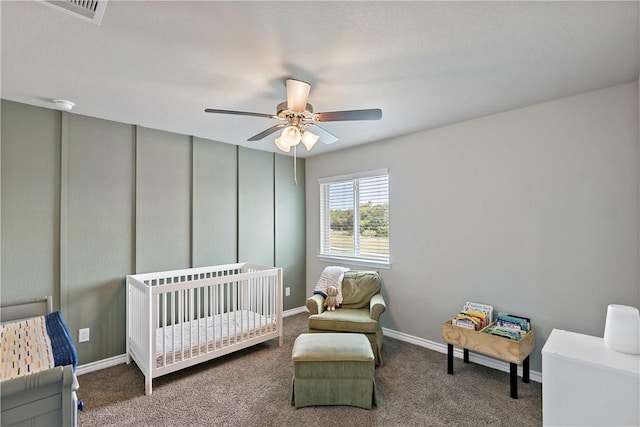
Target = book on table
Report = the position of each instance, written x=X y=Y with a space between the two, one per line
x=474 y=316
x=479 y=317
x=510 y=326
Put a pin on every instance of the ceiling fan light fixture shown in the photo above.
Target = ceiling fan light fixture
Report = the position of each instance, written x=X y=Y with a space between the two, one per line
x=291 y=135
x=309 y=139
x=281 y=144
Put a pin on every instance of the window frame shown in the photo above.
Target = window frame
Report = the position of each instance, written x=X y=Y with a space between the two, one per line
x=381 y=262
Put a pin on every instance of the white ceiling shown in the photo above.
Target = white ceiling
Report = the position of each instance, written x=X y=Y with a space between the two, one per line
x=425 y=64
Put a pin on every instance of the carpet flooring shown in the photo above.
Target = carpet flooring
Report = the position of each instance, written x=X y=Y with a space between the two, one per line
x=252 y=387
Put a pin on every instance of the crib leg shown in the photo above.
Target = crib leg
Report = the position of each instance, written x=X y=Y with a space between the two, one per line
x=147 y=386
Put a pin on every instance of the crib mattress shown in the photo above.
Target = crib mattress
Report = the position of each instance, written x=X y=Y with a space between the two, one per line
x=185 y=340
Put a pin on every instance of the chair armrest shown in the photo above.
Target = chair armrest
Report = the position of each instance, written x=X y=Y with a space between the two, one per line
x=315 y=304
x=377 y=306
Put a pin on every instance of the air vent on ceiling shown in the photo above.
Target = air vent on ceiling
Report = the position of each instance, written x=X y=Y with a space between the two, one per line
x=89 y=10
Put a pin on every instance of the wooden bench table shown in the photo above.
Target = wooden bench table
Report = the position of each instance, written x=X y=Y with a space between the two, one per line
x=514 y=352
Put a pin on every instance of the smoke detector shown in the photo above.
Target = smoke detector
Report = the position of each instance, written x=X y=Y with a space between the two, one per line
x=88 y=10
x=63 y=104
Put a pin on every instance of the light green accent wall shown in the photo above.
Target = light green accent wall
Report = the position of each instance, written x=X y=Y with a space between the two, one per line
x=215 y=203
x=100 y=227
x=163 y=201
x=87 y=201
x=255 y=206
x=290 y=219
x=30 y=203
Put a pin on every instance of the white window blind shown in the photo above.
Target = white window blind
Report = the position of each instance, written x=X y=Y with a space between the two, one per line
x=354 y=218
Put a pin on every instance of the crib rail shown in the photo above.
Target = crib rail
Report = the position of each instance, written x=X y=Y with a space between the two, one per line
x=183 y=317
x=138 y=319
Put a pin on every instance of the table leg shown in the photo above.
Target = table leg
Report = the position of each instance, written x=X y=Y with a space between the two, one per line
x=450 y=359
x=525 y=370
x=513 y=370
x=465 y=353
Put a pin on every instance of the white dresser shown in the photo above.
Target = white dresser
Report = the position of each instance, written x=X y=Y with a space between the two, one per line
x=584 y=383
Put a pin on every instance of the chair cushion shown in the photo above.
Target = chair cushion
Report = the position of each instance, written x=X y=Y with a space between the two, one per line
x=332 y=356
x=358 y=287
x=344 y=320
x=331 y=347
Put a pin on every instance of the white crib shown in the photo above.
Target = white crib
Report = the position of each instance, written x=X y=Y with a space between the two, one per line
x=179 y=318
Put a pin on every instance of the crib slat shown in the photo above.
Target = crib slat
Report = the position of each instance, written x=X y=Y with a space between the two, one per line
x=171 y=323
x=189 y=320
x=227 y=315
x=180 y=321
x=271 y=299
x=207 y=314
x=161 y=324
x=241 y=297
x=221 y=313
x=198 y=313
x=214 y=315
x=193 y=323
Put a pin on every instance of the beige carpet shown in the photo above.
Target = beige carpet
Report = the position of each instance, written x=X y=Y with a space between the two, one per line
x=253 y=388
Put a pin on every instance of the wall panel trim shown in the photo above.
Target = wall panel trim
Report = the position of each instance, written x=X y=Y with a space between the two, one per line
x=64 y=205
x=136 y=192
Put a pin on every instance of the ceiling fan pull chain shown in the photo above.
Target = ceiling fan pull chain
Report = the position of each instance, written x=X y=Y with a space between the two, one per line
x=295 y=172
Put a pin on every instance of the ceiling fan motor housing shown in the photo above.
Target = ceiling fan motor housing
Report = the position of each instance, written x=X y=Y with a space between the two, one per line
x=283 y=110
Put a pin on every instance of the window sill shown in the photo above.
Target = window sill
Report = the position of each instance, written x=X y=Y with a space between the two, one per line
x=360 y=262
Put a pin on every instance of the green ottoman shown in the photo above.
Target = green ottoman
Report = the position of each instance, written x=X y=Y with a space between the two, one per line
x=333 y=369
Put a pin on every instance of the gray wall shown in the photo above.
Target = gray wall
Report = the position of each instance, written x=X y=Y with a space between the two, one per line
x=535 y=211
x=87 y=201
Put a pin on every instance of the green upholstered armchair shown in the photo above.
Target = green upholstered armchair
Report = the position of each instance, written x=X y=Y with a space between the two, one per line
x=360 y=312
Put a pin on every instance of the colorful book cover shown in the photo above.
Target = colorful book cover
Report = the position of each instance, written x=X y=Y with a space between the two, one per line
x=483 y=308
x=509 y=321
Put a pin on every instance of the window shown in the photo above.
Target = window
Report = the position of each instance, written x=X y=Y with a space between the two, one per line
x=354 y=219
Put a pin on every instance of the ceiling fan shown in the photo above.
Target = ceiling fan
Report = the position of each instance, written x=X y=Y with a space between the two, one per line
x=298 y=121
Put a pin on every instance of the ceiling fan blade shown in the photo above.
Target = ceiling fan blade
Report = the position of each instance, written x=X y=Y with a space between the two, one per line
x=297 y=95
x=267 y=132
x=326 y=137
x=339 y=116
x=241 y=113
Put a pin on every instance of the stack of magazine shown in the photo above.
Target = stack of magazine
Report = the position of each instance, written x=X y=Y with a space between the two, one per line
x=474 y=316
x=510 y=326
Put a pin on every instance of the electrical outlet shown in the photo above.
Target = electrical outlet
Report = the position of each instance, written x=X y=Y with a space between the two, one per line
x=287 y=292
x=83 y=335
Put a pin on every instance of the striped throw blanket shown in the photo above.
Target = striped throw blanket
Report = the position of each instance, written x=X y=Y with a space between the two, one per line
x=35 y=344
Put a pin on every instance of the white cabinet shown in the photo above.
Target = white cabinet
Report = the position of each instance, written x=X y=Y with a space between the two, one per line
x=586 y=383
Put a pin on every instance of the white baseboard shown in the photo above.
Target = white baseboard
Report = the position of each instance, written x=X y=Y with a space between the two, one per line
x=480 y=359
x=294 y=311
x=457 y=352
x=431 y=345
x=101 y=364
